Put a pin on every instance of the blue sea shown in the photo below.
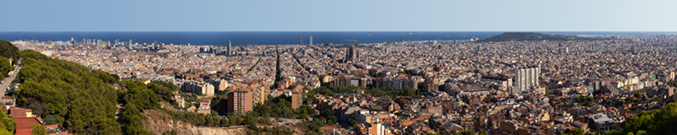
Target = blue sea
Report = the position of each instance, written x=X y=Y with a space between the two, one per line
x=245 y=38
x=255 y=38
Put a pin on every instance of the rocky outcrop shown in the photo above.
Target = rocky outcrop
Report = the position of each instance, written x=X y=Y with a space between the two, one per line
x=158 y=122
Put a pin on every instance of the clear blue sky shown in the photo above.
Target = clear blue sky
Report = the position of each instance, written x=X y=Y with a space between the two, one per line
x=338 y=15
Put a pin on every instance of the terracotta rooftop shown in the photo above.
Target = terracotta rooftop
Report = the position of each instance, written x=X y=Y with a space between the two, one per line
x=24 y=125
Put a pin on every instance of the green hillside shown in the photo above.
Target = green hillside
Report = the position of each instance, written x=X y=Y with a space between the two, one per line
x=7 y=50
x=68 y=93
x=532 y=36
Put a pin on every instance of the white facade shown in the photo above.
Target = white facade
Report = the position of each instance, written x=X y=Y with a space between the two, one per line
x=199 y=88
x=527 y=77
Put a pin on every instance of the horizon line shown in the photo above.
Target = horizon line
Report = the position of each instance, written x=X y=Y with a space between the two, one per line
x=353 y=31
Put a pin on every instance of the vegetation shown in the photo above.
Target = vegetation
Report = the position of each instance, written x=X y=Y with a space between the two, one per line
x=281 y=107
x=139 y=97
x=8 y=50
x=253 y=66
x=133 y=118
x=577 y=131
x=203 y=119
x=83 y=101
x=312 y=125
x=276 y=107
x=5 y=67
x=7 y=123
x=483 y=132
x=220 y=105
x=68 y=93
x=163 y=89
x=373 y=91
x=532 y=36
x=585 y=100
x=38 y=130
x=352 y=122
x=5 y=132
x=659 y=121
x=612 y=132
x=672 y=83
x=467 y=132
x=325 y=91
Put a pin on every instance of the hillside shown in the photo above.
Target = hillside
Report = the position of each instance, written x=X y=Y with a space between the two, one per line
x=532 y=36
x=159 y=122
x=63 y=92
x=67 y=93
x=7 y=50
x=81 y=99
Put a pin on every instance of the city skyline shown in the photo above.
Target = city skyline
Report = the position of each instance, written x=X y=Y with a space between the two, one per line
x=376 y=67
x=522 y=15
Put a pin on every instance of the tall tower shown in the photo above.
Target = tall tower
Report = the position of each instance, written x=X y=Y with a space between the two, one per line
x=356 y=54
x=229 y=49
x=301 y=40
x=311 y=41
x=352 y=54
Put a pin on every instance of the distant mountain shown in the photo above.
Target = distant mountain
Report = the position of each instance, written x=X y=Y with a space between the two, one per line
x=532 y=36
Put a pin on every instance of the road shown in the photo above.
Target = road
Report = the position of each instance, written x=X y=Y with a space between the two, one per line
x=8 y=80
x=6 y=83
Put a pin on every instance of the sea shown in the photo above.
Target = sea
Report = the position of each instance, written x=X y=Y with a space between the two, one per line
x=258 y=38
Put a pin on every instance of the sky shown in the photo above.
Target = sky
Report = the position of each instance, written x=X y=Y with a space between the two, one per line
x=338 y=15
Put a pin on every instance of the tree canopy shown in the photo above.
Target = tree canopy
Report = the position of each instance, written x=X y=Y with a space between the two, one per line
x=5 y=67
x=38 y=130
x=657 y=122
x=68 y=93
x=8 y=50
x=139 y=97
x=7 y=123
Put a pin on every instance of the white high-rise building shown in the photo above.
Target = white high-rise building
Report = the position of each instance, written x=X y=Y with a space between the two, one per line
x=311 y=40
x=527 y=77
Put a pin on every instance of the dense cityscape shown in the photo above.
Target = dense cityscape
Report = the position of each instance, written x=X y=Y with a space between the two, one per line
x=475 y=86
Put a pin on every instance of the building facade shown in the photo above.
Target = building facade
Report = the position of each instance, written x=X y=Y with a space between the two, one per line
x=240 y=102
x=525 y=78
